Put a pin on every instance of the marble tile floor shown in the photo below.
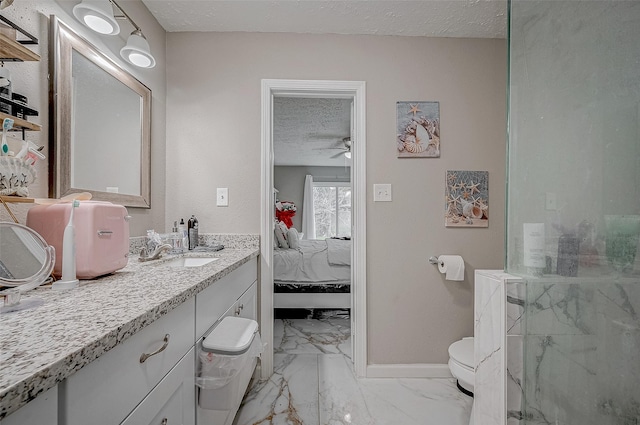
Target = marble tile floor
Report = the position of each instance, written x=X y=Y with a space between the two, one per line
x=314 y=384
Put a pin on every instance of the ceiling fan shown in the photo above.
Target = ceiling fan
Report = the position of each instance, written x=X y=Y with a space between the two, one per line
x=344 y=150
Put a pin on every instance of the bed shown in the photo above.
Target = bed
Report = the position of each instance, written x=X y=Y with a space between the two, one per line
x=316 y=275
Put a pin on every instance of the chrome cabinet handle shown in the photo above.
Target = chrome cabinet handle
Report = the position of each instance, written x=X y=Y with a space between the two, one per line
x=104 y=232
x=145 y=356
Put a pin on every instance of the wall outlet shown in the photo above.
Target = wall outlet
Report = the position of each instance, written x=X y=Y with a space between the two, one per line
x=222 y=197
x=381 y=193
x=550 y=201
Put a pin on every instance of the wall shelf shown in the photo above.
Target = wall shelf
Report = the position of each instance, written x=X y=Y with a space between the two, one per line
x=29 y=111
x=17 y=199
x=20 y=124
x=11 y=50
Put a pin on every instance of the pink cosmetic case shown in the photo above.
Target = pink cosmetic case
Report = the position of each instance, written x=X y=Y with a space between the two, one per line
x=102 y=235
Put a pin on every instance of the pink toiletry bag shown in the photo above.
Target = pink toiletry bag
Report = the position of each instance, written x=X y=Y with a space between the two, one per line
x=102 y=235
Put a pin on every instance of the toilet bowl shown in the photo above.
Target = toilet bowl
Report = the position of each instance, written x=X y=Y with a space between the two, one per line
x=461 y=364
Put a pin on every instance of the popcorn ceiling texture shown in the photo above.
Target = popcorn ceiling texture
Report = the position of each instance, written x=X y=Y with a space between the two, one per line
x=475 y=19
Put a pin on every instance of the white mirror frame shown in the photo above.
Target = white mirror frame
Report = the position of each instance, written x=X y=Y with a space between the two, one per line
x=63 y=40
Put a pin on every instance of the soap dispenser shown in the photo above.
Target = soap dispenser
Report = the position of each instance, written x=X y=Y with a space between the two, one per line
x=192 y=225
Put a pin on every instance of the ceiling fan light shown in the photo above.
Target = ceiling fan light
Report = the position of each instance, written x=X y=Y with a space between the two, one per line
x=347 y=154
x=97 y=15
x=137 y=51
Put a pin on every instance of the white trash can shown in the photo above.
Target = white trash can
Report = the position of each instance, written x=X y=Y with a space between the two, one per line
x=227 y=359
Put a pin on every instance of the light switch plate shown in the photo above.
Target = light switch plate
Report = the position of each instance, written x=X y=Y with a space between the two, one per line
x=222 y=197
x=382 y=192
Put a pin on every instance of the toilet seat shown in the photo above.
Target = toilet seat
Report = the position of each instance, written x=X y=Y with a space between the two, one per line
x=461 y=363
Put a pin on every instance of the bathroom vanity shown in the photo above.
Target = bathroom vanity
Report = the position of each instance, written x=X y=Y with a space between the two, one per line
x=122 y=348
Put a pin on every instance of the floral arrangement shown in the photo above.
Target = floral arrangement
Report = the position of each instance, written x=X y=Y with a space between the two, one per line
x=285 y=211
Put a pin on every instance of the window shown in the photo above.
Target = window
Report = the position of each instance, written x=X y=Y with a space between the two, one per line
x=332 y=209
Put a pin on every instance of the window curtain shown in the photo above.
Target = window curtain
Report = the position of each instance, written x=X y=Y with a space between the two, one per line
x=308 y=214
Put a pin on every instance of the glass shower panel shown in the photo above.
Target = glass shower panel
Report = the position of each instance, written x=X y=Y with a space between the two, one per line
x=573 y=209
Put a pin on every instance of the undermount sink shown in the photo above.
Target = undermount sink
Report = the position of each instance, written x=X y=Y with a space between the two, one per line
x=190 y=261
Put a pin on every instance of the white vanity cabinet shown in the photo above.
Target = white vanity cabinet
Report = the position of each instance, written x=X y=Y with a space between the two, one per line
x=172 y=402
x=108 y=389
x=43 y=410
x=149 y=379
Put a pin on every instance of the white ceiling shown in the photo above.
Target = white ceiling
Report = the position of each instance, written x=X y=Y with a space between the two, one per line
x=433 y=18
x=307 y=131
x=310 y=131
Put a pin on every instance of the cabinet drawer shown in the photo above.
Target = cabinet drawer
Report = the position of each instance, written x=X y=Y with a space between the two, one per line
x=173 y=401
x=107 y=390
x=212 y=303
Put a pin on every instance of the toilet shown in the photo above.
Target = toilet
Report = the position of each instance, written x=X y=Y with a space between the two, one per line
x=462 y=367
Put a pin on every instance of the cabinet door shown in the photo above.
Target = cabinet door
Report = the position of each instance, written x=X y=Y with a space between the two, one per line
x=172 y=401
x=246 y=306
x=43 y=410
x=213 y=302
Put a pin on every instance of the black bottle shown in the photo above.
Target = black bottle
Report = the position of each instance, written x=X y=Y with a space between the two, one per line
x=192 y=226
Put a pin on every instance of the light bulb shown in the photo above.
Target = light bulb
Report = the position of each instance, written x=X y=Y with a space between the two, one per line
x=98 y=24
x=139 y=60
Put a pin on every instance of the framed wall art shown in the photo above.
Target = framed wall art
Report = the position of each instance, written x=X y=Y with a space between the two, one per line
x=467 y=199
x=418 y=129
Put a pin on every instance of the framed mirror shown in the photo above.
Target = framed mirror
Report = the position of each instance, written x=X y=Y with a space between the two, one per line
x=99 y=124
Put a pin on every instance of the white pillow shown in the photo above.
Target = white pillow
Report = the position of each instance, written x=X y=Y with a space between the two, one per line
x=281 y=237
x=293 y=238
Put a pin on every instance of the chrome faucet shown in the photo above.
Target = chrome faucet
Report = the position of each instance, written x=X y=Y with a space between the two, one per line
x=157 y=252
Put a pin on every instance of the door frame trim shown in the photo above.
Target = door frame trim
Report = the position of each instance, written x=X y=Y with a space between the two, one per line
x=323 y=89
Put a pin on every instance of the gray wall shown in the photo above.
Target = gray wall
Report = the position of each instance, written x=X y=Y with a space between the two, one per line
x=213 y=128
x=31 y=79
x=290 y=182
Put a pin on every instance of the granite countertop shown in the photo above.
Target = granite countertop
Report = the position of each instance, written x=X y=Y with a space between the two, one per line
x=42 y=346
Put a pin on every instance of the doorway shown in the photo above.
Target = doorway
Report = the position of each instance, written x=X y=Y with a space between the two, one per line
x=355 y=92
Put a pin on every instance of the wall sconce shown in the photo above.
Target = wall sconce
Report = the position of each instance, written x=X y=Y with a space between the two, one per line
x=97 y=15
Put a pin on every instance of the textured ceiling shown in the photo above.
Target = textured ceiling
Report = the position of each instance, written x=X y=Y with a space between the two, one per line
x=310 y=131
x=434 y=18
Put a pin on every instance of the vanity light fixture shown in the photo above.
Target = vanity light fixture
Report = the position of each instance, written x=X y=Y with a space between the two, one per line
x=98 y=16
x=137 y=51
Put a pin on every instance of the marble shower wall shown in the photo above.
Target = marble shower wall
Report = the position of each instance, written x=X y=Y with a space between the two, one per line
x=515 y=326
x=582 y=352
x=499 y=311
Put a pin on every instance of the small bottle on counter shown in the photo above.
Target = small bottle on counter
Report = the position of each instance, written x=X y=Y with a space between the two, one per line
x=182 y=229
x=176 y=238
x=192 y=225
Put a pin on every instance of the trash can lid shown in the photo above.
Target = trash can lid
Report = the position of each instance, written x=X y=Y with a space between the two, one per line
x=233 y=335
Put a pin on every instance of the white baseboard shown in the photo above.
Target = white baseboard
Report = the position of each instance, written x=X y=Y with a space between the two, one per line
x=417 y=370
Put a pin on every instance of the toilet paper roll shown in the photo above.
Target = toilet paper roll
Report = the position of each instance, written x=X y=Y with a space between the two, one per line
x=452 y=266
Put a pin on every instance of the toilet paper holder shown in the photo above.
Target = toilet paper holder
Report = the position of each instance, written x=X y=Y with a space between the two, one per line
x=434 y=260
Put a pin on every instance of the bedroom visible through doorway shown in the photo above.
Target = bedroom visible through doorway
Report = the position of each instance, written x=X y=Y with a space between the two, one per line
x=313 y=215
x=312 y=139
